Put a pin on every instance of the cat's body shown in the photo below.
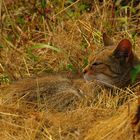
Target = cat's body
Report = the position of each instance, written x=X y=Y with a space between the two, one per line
x=52 y=91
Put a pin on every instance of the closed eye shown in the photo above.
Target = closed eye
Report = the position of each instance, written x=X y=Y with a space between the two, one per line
x=97 y=63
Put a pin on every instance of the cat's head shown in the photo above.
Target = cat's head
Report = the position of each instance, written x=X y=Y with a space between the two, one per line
x=112 y=65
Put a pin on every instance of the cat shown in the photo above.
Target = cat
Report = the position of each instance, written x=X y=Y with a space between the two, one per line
x=113 y=66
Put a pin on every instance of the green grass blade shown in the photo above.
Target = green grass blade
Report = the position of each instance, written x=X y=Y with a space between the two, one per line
x=41 y=46
x=134 y=73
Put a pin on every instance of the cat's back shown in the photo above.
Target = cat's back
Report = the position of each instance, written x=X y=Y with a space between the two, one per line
x=54 y=91
x=45 y=81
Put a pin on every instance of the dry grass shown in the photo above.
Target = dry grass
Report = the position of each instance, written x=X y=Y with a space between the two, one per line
x=66 y=33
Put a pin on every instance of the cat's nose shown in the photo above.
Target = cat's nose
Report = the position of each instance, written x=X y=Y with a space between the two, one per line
x=84 y=71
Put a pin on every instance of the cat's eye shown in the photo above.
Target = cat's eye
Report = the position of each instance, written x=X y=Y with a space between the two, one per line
x=97 y=63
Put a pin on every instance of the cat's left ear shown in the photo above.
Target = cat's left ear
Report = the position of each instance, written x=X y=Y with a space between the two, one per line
x=123 y=51
x=107 y=40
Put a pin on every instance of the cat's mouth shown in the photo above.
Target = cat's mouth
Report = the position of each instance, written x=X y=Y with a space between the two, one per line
x=88 y=77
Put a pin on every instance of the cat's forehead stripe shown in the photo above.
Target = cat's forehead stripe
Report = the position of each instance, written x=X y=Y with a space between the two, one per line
x=101 y=54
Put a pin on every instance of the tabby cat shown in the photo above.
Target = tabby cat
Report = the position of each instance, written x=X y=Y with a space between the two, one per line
x=112 y=66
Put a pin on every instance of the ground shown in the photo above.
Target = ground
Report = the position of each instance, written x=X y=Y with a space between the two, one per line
x=58 y=37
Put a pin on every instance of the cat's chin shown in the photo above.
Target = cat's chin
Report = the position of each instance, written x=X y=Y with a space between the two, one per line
x=101 y=79
x=88 y=77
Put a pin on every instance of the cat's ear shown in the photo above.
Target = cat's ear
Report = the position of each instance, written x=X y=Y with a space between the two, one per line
x=107 y=40
x=123 y=51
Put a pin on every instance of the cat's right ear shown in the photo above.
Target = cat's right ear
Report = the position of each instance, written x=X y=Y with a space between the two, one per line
x=123 y=51
x=107 y=40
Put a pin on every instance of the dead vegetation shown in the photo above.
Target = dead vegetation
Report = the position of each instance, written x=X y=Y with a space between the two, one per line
x=54 y=37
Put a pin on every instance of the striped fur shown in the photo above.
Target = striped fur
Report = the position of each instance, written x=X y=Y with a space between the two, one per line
x=113 y=65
